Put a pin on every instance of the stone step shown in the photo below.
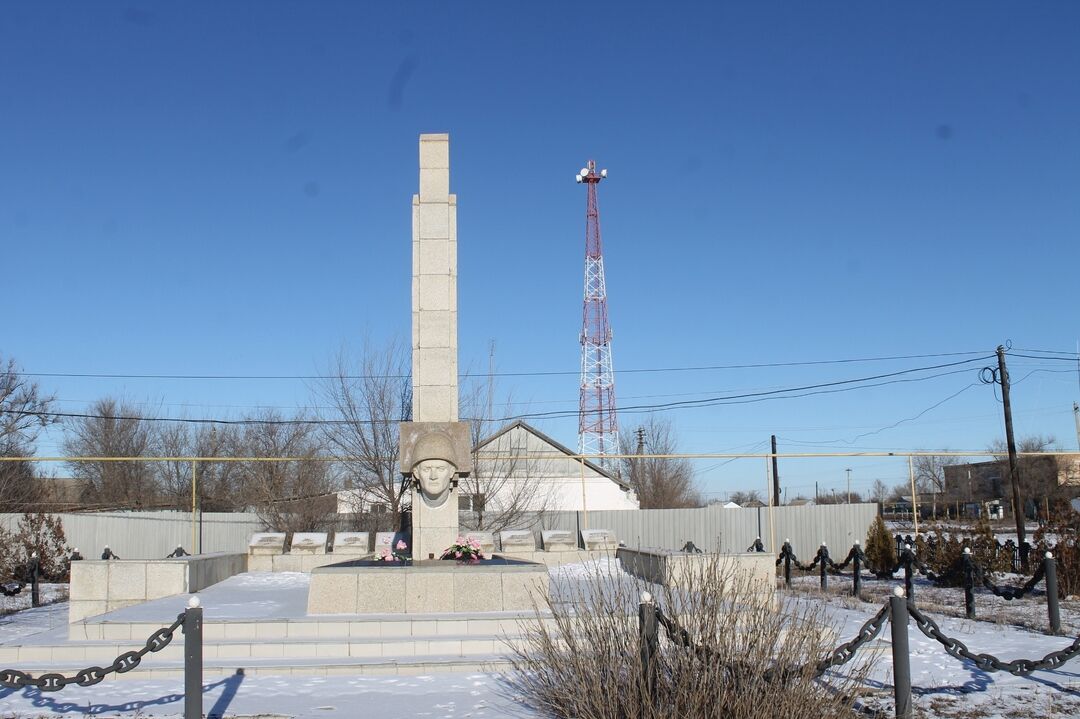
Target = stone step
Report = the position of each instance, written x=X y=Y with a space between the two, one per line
x=160 y=668
x=97 y=652
x=344 y=627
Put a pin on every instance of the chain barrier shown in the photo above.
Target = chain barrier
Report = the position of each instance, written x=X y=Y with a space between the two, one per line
x=839 y=656
x=15 y=679
x=988 y=662
x=1009 y=592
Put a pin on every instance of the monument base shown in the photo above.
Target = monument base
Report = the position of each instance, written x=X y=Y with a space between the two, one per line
x=427 y=586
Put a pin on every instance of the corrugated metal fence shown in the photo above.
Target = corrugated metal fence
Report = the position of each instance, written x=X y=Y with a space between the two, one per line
x=732 y=530
x=147 y=535
x=150 y=535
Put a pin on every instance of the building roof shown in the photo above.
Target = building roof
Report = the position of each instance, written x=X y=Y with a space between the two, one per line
x=557 y=445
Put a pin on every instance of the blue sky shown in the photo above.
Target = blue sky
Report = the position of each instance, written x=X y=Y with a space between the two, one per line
x=224 y=189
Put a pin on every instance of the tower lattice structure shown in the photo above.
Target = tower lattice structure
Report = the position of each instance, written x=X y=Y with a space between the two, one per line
x=598 y=425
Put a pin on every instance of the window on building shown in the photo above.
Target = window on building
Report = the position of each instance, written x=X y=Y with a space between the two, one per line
x=471 y=502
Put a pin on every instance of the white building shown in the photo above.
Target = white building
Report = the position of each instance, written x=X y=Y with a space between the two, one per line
x=521 y=468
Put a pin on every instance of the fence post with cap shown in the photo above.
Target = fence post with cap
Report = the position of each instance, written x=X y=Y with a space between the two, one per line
x=856 y=577
x=898 y=616
x=969 y=583
x=823 y=560
x=787 y=563
x=1050 y=569
x=193 y=660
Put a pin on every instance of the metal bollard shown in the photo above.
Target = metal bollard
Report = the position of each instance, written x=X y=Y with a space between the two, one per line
x=898 y=616
x=1050 y=567
x=35 y=575
x=856 y=578
x=969 y=583
x=649 y=646
x=787 y=563
x=193 y=660
x=823 y=560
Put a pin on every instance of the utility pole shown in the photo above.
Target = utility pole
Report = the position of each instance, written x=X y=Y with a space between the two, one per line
x=816 y=495
x=1076 y=416
x=776 y=472
x=1014 y=470
x=848 y=470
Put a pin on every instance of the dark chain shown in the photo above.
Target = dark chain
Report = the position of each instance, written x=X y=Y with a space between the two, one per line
x=837 y=657
x=846 y=651
x=14 y=679
x=1007 y=592
x=988 y=662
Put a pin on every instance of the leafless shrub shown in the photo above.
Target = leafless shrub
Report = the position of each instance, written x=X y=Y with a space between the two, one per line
x=585 y=661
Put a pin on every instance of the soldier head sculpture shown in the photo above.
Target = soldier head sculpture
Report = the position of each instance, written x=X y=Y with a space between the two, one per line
x=434 y=467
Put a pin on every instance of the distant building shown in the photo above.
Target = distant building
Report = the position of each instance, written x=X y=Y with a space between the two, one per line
x=986 y=481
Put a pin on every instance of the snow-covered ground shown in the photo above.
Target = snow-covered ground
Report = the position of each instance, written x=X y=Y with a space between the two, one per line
x=945 y=687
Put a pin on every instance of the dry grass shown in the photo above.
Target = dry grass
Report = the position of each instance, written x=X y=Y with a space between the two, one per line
x=585 y=662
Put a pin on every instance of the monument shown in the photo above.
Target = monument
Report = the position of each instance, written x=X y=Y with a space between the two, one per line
x=434 y=447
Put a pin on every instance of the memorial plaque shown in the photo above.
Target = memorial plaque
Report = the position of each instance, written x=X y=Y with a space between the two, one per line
x=267 y=543
x=308 y=543
x=486 y=539
x=517 y=540
x=558 y=540
x=352 y=543
x=599 y=539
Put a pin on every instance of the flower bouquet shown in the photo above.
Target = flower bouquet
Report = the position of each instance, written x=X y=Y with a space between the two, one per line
x=464 y=550
x=399 y=553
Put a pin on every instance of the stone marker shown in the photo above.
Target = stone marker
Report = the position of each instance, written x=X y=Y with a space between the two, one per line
x=352 y=543
x=308 y=543
x=267 y=543
x=517 y=540
x=486 y=539
x=558 y=540
x=383 y=540
x=599 y=540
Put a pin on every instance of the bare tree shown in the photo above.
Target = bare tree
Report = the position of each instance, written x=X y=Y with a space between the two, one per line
x=879 y=492
x=24 y=412
x=217 y=483
x=511 y=485
x=112 y=428
x=363 y=403
x=745 y=497
x=289 y=496
x=659 y=483
x=930 y=475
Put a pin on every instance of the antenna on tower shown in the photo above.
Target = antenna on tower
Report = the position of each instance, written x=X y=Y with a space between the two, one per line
x=598 y=426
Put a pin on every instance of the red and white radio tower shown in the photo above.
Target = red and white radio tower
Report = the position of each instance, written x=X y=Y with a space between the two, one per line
x=598 y=425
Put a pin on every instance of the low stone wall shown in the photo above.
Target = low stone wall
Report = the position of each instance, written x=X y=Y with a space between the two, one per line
x=297 y=562
x=671 y=568
x=557 y=559
x=430 y=586
x=102 y=586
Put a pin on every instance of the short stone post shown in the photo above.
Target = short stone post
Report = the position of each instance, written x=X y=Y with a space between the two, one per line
x=34 y=572
x=649 y=641
x=969 y=583
x=823 y=562
x=856 y=578
x=787 y=563
x=898 y=615
x=1050 y=569
x=193 y=660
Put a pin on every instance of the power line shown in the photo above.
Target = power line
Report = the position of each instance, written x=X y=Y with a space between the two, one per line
x=464 y=375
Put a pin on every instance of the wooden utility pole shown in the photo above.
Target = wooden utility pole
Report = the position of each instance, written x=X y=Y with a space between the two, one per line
x=1014 y=470
x=775 y=476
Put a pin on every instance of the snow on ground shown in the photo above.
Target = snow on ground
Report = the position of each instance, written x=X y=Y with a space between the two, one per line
x=945 y=688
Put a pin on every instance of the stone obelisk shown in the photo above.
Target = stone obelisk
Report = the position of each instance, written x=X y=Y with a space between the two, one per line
x=435 y=431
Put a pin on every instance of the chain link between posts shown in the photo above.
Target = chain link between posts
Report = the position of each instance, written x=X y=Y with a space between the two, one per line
x=15 y=679
x=988 y=662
